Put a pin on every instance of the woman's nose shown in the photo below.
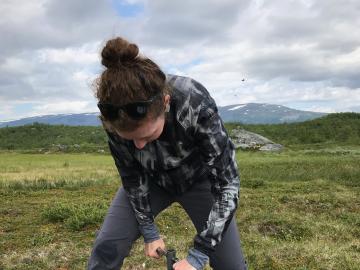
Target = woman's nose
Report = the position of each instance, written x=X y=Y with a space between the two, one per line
x=140 y=143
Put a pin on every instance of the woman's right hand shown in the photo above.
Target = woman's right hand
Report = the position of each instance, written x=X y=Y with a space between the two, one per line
x=150 y=248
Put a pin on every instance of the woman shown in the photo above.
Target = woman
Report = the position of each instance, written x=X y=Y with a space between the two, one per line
x=169 y=145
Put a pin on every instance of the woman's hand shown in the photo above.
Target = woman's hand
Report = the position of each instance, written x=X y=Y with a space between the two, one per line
x=150 y=248
x=183 y=265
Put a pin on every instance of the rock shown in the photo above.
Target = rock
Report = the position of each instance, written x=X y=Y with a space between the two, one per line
x=243 y=146
x=61 y=147
x=247 y=140
x=271 y=147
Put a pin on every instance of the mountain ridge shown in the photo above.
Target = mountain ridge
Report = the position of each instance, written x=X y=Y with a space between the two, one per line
x=263 y=113
x=247 y=113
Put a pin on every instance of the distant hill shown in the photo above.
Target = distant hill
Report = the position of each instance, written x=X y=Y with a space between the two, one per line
x=250 y=113
x=261 y=113
x=339 y=129
x=80 y=119
x=336 y=128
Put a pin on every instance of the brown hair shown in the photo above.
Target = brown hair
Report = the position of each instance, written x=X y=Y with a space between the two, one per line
x=128 y=77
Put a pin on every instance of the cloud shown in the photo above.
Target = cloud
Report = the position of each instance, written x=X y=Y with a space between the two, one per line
x=302 y=53
x=178 y=23
x=354 y=109
x=38 y=24
x=6 y=111
x=85 y=55
x=60 y=107
x=45 y=75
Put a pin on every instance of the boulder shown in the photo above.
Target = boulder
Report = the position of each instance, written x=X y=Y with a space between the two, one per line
x=247 y=140
x=271 y=147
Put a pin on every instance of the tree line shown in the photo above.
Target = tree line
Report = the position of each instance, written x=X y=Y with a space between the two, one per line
x=338 y=128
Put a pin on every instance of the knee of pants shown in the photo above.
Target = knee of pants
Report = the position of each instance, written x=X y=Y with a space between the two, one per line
x=229 y=265
x=111 y=252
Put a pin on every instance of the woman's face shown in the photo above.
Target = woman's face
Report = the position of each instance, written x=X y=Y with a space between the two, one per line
x=149 y=131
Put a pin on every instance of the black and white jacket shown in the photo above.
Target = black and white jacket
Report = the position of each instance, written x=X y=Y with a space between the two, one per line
x=194 y=145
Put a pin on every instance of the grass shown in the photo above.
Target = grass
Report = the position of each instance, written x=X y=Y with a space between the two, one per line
x=299 y=209
x=75 y=217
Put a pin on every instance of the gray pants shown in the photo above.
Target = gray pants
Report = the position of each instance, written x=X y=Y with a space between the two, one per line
x=120 y=228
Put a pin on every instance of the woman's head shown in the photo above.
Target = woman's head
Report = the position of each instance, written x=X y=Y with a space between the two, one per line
x=132 y=90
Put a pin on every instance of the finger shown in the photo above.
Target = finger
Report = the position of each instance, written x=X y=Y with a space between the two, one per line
x=160 y=251
x=155 y=255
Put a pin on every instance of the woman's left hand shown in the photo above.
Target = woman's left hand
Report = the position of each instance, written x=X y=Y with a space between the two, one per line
x=183 y=265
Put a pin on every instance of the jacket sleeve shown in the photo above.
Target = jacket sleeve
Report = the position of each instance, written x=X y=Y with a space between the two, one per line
x=136 y=184
x=218 y=153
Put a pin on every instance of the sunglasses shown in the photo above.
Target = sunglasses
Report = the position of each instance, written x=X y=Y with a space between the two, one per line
x=136 y=110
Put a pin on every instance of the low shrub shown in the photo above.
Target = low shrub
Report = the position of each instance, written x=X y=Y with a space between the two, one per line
x=75 y=217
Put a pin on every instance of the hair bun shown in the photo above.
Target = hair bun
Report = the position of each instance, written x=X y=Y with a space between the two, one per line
x=118 y=52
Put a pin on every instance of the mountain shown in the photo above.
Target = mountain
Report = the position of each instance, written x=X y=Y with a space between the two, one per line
x=250 y=113
x=80 y=119
x=262 y=113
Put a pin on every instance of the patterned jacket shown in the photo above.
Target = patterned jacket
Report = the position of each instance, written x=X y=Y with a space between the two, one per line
x=194 y=145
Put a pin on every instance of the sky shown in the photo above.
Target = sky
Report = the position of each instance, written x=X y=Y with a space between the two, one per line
x=304 y=54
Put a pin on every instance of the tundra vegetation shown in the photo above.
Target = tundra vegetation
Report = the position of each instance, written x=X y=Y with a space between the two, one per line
x=299 y=208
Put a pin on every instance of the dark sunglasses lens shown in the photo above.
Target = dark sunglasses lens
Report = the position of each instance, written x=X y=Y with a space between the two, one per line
x=136 y=110
x=108 y=111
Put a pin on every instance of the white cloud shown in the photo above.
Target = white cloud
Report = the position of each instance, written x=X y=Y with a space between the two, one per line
x=20 y=11
x=17 y=66
x=133 y=2
x=289 y=52
x=82 y=77
x=61 y=107
x=85 y=55
x=320 y=109
x=6 y=111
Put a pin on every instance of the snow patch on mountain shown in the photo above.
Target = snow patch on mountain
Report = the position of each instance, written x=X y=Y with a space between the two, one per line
x=237 y=107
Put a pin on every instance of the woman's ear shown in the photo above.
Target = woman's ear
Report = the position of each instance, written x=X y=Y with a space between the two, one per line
x=167 y=108
x=167 y=103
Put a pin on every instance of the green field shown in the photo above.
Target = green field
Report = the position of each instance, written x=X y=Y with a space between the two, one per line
x=298 y=210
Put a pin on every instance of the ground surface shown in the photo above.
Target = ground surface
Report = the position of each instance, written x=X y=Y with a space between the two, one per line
x=298 y=210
